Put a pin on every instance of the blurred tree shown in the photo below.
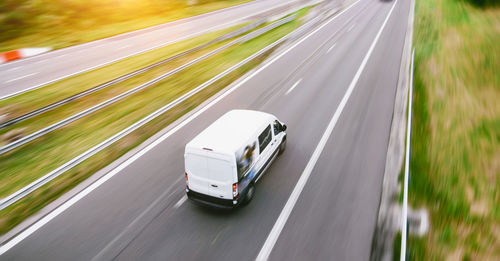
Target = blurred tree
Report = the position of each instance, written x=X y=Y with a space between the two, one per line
x=485 y=3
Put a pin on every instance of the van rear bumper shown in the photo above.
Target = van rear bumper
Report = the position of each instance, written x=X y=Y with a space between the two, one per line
x=211 y=201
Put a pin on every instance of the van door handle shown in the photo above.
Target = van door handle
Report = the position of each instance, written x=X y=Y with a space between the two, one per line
x=215 y=186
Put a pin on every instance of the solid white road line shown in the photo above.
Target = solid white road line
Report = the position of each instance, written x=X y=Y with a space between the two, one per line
x=293 y=87
x=19 y=78
x=46 y=219
x=287 y=210
x=180 y=202
x=329 y=49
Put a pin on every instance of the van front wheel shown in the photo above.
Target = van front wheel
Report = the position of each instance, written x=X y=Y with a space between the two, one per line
x=249 y=195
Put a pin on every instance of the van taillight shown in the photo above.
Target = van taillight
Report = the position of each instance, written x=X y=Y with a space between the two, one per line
x=187 y=181
x=235 y=190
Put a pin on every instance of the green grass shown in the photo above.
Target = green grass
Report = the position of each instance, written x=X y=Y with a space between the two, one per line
x=456 y=130
x=32 y=161
x=60 y=34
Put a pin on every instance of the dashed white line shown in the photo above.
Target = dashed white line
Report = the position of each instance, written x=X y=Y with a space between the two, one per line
x=180 y=202
x=19 y=78
x=297 y=190
x=350 y=28
x=14 y=68
x=329 y=49
x=293 y=86
x=123 y=47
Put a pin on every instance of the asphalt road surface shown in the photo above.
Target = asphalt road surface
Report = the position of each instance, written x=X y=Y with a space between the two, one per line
x=19 y=76
x=141 y=213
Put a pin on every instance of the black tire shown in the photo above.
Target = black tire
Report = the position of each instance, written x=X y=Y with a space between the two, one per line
x=282 y=147
x=249 y=195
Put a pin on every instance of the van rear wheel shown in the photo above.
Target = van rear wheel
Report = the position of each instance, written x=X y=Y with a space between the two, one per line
x=249 y=195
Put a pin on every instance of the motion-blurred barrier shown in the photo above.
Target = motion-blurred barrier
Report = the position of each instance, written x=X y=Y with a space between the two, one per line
x=21 y=53
x=92 y=151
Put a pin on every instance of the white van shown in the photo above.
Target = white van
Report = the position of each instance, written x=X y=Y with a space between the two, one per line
x=224 y=161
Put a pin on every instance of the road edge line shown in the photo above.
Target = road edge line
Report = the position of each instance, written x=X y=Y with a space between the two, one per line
x=388 y=216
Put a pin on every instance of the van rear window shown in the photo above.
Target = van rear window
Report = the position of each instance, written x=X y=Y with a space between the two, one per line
x=264 y=138
x=220 y=170
x=196 y=164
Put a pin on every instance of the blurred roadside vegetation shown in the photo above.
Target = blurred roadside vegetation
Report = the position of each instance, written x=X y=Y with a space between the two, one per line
x=61 y=23
x=455 y=164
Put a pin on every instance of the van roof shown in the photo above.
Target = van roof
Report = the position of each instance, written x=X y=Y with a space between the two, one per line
x=231 y=131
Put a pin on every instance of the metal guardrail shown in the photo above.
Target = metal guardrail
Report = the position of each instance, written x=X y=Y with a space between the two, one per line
x=11 y=199
x=26 y=139
x=127 y=76
x=404 y=219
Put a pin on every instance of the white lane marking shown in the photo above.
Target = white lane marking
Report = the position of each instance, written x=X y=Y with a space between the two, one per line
x=46 y=219
x=350 y=28
x=123 y=47
x=21 y=77
x=329 y=49
x=13 y=69
x=287 y=209
x=293 y=86
x=180 y=202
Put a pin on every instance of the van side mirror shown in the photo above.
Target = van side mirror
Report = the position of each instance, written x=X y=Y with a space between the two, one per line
x=283 y=128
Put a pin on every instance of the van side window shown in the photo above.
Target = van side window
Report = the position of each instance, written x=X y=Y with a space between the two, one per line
x=277 y=127
x=264 y=138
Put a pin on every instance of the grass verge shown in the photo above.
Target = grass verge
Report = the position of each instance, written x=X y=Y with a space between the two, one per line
x=64 y=34
x=455 y=162
x=32 y=161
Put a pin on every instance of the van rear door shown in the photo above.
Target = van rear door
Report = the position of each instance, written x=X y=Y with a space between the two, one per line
x=221 y=174
x=197 y=170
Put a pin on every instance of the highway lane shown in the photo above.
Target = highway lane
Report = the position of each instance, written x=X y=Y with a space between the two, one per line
x=334 y=219
x=25 y=74
x=139 y=213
